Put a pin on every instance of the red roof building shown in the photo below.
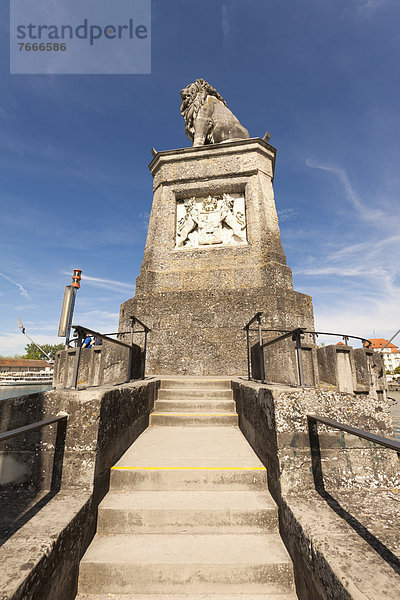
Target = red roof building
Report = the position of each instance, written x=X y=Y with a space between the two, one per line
x=23 y=364
x=391 y=354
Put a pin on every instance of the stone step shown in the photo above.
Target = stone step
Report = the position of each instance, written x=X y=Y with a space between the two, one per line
x=189 y=458
x=112 y=596
x=186 y=393
x=170 y=478
x=192 y=512
x=194 y=405
x=188 y=382
x=185 y=563
x=194 y=419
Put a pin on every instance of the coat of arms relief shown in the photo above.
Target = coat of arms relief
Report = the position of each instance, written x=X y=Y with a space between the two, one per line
x=209 y=221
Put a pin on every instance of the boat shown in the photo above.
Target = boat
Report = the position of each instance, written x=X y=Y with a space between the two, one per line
x=26 y=378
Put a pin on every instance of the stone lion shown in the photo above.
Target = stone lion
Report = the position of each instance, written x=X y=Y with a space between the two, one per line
x=208 y=120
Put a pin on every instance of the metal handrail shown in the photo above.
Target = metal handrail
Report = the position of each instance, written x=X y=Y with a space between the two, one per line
x=256 y=316
x=290 y=333
x=84 y=330
x=345 y=336
x=366 y=435
x=318 y=476
x=12 y=433
x=81 y=333
x=297 y=335
x=59 y=446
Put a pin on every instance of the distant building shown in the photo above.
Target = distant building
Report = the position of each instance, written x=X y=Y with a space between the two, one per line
x=391 y=354
x=26 y=365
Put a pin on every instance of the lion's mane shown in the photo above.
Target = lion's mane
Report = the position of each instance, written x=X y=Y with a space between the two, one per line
x=199 y=90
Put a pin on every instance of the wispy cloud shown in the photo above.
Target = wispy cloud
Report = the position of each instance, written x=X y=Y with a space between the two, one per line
x=21 y=288
x=366 y=8
x=226 y=25
x=356 y=277
x=109 y=284
x=366 y=212
x=351 y=194
x=287 y=214
x=14 y=343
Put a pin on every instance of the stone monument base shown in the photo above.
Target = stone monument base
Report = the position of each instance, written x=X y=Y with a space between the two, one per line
x=201 y=333
x=213 y=258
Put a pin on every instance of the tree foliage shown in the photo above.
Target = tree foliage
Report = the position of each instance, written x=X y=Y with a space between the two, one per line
x=31 y=351
x=397 y=370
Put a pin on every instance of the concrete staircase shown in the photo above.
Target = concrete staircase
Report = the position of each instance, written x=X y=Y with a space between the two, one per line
x=188 y=514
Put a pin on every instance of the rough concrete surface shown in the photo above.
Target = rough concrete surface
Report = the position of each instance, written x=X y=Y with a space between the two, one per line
x=197 y=300
x=45 y=528
x=188 y=512
x=343 y=540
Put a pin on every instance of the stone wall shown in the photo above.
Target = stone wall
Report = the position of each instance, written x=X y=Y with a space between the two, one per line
x=343 y=368
x=321 y=541
x=196 y=299
x=46 y=529
x=351 y=370
x=99 y=365
x=281 y=363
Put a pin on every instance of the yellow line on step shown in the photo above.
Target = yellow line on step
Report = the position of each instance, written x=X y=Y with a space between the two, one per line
x=188 y=469
x=191 y=414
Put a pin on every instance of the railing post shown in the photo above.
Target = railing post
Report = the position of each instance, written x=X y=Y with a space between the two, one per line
x=315 y=454
x=261 y=350
x=146 y=331
x=59 y=446
x=299 y=357
x=77 y=359
x=248 y=353
x=130 y=353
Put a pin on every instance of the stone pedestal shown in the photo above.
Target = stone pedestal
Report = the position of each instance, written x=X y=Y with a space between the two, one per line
x=213 y=258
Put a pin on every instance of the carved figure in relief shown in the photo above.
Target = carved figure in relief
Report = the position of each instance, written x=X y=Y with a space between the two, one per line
x=208 y=120
x=211 y=221
x=187 y=223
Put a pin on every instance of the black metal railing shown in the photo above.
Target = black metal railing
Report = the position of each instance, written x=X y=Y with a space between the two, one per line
x=12 y=433
x=61 y=420
x=313 y=421
x=297 y=335
x=20 y=514
x=82 y=332
x=257 y=317
x=351 y=519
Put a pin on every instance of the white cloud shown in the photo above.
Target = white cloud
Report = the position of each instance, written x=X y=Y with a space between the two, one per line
x=287 y=214
x=14 y=343
x=366 y=8
x=226 y=24
x=356 y=286
x=365 y=212
x=111 y=284
x=21 y=288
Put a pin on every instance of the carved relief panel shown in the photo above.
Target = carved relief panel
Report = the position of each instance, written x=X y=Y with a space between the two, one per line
x=210 y=221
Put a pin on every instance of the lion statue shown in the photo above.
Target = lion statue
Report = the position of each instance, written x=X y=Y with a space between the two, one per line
x=208 y=120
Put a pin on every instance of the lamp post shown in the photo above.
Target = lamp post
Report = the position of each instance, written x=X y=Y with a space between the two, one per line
x=68 y=306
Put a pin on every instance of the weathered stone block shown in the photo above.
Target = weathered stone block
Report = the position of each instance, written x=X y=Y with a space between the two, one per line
x=336 y=367
x=99 y=365
x=281 y=363
x=213 y=258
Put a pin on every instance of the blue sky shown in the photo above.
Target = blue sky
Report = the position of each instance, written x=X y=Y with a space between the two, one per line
x=75 y=190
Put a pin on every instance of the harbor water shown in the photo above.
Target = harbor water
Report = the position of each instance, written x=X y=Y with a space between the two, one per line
x=12 y=391
x=395 y=410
